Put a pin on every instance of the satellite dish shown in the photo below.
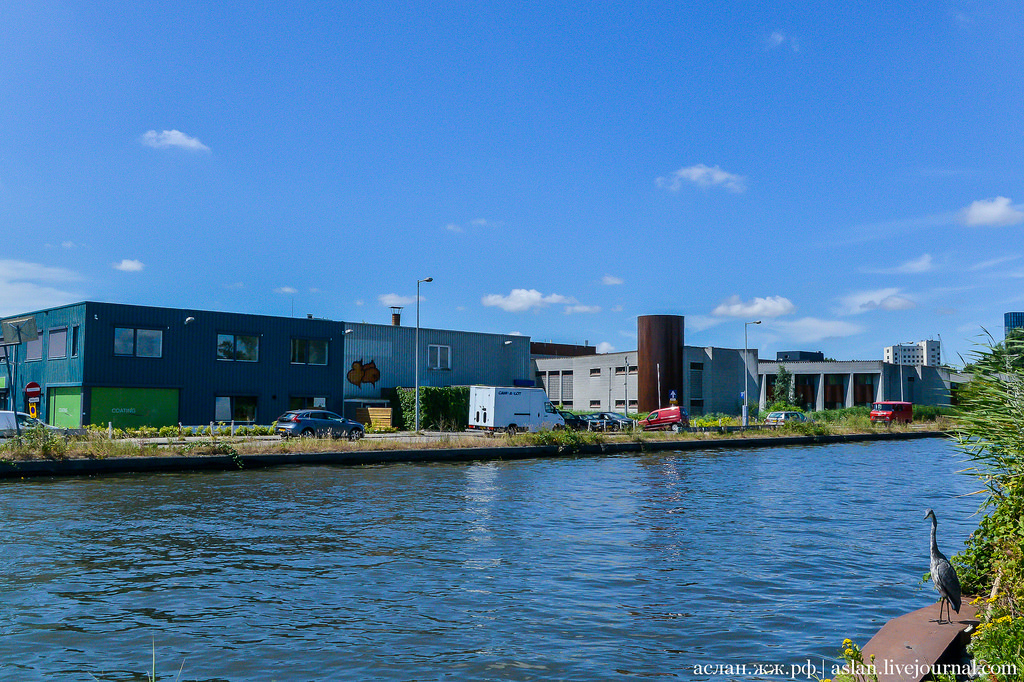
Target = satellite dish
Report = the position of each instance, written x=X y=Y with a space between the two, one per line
x=20 y=330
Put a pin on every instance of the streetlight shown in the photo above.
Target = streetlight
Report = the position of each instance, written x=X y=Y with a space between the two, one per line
x=746 y=374
x=343 y=335
x=428 y=279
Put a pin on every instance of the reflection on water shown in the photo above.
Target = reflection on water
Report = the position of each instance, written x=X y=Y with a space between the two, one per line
x=545 y=569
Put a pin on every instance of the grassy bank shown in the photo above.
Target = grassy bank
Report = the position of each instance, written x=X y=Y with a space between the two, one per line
x=96 y=444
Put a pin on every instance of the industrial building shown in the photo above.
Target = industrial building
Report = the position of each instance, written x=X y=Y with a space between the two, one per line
x=99 y=363
x=662 y=371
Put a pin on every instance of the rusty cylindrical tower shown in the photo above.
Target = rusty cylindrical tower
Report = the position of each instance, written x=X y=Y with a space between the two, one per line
x=660 y=361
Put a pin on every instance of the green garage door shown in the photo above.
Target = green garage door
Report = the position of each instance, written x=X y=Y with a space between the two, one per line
x=134 y=407
x=64 y=407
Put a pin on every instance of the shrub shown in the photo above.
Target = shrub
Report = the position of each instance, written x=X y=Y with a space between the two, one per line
x=441 y=408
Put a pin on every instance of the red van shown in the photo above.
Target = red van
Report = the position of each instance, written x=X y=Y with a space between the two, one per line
x=892 y=411
x=671 y=418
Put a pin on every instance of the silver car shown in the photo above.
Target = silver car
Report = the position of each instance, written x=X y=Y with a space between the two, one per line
x=319 y=424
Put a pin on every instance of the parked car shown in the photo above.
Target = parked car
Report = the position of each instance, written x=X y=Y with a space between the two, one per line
x=780 y=418
x=318 y=423
x=25 y=422
x=608 y=421
x=573 y=421
x=672 y=418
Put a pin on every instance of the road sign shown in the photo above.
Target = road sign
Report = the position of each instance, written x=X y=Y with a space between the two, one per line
x=33 y=390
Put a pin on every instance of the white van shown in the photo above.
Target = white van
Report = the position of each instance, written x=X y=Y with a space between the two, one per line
x=511 y=409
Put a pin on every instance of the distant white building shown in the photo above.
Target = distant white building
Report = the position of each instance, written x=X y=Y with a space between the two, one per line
x=922 y=353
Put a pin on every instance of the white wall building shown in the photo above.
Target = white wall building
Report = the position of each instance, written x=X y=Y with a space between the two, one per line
x=922 y=353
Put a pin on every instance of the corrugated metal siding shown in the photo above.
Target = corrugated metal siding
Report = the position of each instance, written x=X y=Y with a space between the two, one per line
x=476 y=358
x=66 y=371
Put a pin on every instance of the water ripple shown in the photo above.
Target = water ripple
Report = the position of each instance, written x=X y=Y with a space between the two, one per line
x=548 y=569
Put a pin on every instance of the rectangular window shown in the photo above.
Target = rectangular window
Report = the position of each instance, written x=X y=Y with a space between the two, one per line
x=309 y=351
x=595 y=371
x=34 y=349
x=439 y=357
x=140 y=343
x=620 y=370
x=238 y=347
x=74 y=341
x=57 y=345
x=595 y=404
x=297 y=402
x=149 y=343
x=632 y=369
x=619 y=404
x=235 y=408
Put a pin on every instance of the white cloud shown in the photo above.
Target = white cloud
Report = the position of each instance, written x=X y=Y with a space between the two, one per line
x=918 y=265
x=605 y=347
x=703 y=176
x=997 y=212
x=699 y=323
x=771 y=306
x=571 y=309
x=611 y=280
x=396 y=300
x=985 y=265
x=286 y=290
x=235 y=285
x=128 y=265
x=172 y=138
x=523 y=299
x=452 y=227
x=778 y=38
x=812 y=329
x=28 y=286
x=879 y=299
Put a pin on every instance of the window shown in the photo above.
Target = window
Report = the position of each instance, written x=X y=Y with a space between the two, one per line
x=238 y=347
x=439 y=357
x=595 y=404
x=595 y=371
x=620 y=370
x=309 y=351
x=34 y=349
x=235 y=408
x=74 y=341
x=140 y=343
x=619 y=404
x=57 y=346
x=306 y=402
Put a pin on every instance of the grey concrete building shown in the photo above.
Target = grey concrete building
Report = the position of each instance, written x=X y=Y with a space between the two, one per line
x=713 y=380
x=833 y=385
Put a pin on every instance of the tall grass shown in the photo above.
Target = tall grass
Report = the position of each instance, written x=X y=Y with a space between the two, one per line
x=990 y=430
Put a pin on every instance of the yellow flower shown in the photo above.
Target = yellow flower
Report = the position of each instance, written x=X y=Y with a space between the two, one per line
x=848 y=653
x=847 y=642
x=992 y=600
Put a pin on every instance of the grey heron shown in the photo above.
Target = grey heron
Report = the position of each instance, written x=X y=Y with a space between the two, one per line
x=943 y=574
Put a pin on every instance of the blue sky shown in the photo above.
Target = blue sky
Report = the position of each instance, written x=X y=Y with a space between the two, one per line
x=849 y=175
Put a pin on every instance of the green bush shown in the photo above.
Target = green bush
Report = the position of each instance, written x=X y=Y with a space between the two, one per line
x=441 y=408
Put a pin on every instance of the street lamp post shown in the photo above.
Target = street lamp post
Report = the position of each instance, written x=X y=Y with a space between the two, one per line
x=417 y=397
x=746 y=374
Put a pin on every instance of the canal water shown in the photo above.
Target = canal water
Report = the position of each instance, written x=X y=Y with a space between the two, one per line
x=725 y=565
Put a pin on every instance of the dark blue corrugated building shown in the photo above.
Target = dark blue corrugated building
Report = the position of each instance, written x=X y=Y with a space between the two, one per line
x=139 y=365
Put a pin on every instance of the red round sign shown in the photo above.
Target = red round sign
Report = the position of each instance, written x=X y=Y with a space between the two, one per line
x=32 y=390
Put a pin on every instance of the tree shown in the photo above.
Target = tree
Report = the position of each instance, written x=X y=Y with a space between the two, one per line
x=783 y=385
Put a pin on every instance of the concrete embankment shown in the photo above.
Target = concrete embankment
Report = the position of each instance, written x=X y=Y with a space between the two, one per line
x=122 y=465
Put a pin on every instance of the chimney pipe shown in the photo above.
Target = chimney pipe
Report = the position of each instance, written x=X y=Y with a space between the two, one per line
x=396 y=316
